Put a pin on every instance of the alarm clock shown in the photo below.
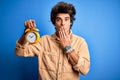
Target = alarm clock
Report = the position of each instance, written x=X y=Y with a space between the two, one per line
x=32 y=35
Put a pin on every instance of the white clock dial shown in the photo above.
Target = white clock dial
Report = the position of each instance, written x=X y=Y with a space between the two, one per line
x=31 y=37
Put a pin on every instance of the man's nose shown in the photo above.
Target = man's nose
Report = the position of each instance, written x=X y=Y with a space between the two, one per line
x=63 y=23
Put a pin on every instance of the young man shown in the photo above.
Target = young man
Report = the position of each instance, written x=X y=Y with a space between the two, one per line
x=61 y=56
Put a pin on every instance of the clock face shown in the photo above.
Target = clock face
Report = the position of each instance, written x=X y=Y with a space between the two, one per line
x=31 y=37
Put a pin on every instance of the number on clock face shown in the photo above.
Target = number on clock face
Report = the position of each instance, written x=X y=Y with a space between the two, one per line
x=31 y=37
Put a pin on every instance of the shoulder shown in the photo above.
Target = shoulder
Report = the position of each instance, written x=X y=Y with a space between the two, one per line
x=80 y=41
x=76 y=37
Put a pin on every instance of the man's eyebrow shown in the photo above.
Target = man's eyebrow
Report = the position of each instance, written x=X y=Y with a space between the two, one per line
x=60 y=17
x=67 y=17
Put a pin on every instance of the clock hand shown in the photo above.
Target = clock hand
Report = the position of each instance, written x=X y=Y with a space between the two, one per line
x=32 y=36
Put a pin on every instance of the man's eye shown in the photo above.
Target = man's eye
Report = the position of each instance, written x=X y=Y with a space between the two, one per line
x=57 y=19
x=66 y=19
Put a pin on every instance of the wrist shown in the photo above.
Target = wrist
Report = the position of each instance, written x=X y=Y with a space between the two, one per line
x=73 y=57
x=68 y=49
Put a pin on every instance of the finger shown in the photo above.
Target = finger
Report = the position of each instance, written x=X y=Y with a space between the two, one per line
x=30 y=22
x=65 y=33
x=33 y=22
x=62 y=33
x=27 y=24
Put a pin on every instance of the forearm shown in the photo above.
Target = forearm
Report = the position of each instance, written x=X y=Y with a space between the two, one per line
x=20 y=48
x=73 y=57
x=80 y=64
x=28 y=49
x=22 y=40
x=23 y=48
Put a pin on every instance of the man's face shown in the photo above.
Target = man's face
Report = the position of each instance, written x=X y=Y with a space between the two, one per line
x=63 y=20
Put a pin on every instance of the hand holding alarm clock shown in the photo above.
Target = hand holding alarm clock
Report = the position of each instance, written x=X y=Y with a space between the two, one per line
x=31 y=32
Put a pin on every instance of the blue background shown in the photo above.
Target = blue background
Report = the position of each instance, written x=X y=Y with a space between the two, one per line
x=98 y=21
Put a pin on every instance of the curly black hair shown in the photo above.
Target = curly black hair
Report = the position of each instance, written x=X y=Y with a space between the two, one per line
x=62 y=7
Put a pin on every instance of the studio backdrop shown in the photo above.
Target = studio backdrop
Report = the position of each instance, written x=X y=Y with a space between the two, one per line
x=98 y=21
